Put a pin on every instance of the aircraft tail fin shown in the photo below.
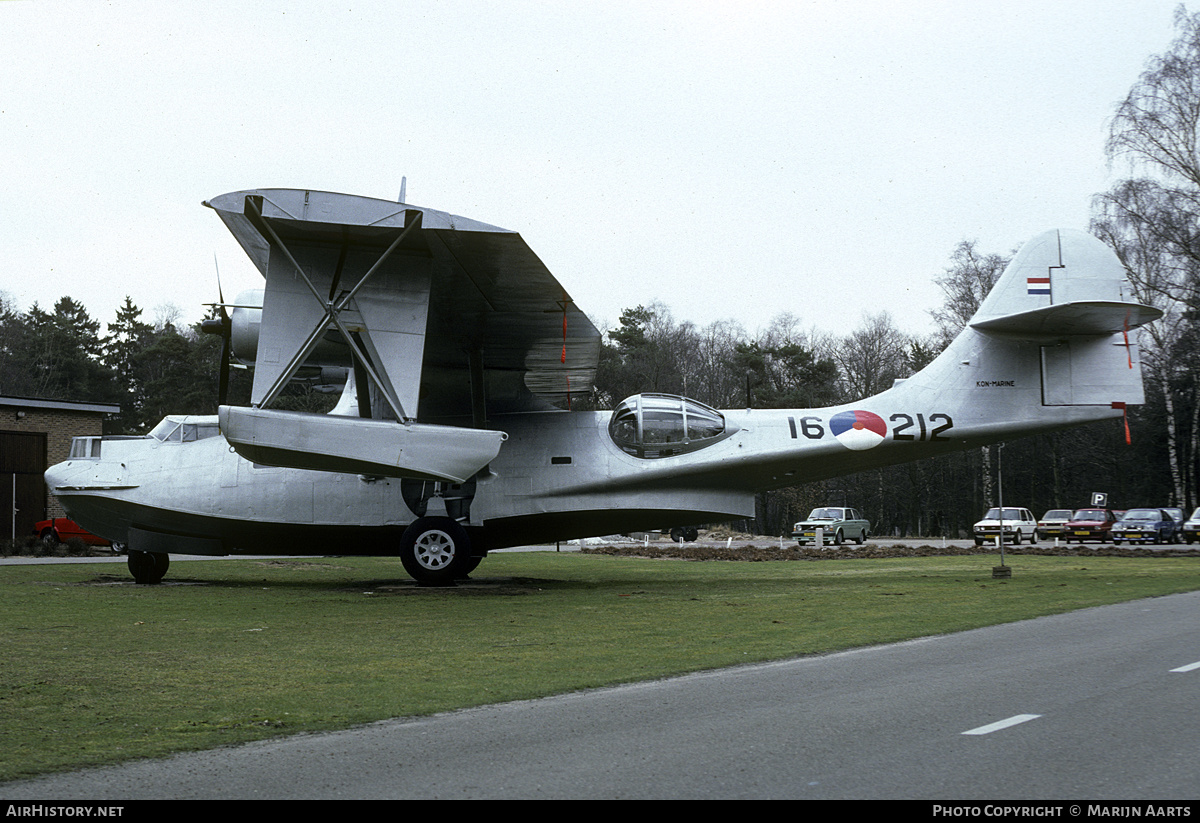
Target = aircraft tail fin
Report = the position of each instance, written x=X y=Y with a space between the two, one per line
x=1067 y=294
x=1052 y=345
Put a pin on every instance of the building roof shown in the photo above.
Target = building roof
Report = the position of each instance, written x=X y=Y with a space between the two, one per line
x=60 y=405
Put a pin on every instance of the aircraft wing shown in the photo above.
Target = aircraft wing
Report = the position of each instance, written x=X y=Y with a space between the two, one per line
x=449 y=316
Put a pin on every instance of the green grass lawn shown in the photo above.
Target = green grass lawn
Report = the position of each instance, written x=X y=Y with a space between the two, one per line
x=97 y=669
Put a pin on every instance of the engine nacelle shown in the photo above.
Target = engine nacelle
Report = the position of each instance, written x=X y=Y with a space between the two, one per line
x=245 y=318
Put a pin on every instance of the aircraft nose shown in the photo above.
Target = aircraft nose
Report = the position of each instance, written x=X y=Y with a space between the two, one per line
x=69 y=474
x=54 y=476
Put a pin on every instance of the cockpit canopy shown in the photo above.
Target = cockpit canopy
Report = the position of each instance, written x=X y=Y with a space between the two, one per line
x=664 y=425
x=185 y=428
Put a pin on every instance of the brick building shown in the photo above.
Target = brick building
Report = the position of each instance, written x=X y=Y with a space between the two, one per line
x=34 y=435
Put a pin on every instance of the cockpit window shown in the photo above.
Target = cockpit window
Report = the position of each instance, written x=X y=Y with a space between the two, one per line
x=199 y=431
x=85 y=448
x=663 y=425
x=185 y=429
x=165 y=429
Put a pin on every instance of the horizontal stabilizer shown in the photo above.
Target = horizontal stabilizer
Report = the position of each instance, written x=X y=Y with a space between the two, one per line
x=352 y=445
x=1071 y=319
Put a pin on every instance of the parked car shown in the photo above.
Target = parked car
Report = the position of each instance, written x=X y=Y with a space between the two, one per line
x=1090 y=524
x=1053 y=523
x=837 y=525
x=1146 y=526
x=1017 y=523
x=60 y=530
x=1191 y=527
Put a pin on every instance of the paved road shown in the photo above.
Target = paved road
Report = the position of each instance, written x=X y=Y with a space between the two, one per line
x=1096 y=704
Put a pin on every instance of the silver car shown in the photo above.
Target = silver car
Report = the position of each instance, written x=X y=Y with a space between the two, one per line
x=835 y=524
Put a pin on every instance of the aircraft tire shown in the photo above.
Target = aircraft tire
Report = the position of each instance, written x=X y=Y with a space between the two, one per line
x=148 y=568
x=435 y=551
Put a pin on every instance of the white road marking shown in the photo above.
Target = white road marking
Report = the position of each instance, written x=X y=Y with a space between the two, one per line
x=1189 y=667
x=1002 y=724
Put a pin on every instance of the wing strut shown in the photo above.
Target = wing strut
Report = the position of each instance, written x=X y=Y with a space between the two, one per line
x=332 y=314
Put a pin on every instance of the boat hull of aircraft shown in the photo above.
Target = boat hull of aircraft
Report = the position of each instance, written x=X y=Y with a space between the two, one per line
x=559 y=477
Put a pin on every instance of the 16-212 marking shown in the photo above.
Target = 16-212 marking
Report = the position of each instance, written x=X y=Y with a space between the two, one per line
x=904 y=427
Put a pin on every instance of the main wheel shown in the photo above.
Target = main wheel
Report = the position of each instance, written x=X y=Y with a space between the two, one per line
x=148 y=568
x=435 y=551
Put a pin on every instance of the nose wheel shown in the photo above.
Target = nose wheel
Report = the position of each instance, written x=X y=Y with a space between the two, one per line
x=148 y=567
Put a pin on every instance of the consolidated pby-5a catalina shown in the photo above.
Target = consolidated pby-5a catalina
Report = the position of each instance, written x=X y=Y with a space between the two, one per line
x=453 y=436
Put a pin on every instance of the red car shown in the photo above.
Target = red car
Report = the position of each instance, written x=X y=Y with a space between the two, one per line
x=60 y=530
x=1090 y=524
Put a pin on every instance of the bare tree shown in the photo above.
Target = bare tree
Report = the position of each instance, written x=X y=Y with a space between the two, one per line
x=872 y=356
x=965 y=282
x=1153 y=222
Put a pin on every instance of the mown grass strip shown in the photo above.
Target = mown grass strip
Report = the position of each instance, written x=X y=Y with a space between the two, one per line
x=98 y=670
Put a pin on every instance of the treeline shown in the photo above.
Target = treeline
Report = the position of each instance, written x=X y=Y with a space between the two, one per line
x=1151 y=219
x=150 y=370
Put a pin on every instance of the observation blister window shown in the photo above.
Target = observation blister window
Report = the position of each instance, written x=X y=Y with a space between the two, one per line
x=664 y=425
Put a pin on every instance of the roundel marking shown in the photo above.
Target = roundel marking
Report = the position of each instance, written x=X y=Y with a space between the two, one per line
x=858 y=430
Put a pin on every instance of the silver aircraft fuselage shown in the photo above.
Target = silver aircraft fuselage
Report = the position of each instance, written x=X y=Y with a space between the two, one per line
x=559 y=476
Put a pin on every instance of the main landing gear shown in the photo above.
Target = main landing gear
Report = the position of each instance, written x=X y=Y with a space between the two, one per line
x=148 y=567
x=436 y=551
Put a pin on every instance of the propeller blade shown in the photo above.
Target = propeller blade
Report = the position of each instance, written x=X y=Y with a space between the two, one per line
x=224 y=327
x=223 y=386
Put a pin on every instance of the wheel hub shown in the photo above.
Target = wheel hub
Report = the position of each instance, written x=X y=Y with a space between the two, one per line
x=434 y=549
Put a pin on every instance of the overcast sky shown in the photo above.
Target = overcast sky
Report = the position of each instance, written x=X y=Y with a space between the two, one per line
x=733 y=160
